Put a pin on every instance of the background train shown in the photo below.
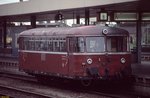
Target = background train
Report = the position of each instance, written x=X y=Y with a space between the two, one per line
x=80 y=53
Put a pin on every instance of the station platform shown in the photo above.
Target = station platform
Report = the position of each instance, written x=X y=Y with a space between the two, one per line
x=141 y=72
x=141 y=69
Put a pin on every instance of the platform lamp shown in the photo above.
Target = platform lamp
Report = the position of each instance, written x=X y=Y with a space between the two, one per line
x=103 y=16
x=59 y=17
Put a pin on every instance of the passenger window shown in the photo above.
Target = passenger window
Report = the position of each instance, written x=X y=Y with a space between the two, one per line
x=37 y=44
x=63 y=45
x=71 y=44
x=26 y=43
x=76 y=44
x=50 y=44
x=21 y=43
x=45 y=44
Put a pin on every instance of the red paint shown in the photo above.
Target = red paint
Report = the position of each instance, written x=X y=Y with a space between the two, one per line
x=73 y=65
x=69 y=64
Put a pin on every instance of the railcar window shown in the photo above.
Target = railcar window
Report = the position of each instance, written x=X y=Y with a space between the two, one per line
x=37 y=44
x=56 y=45
x=26 y=43
x=63 y=45
x=117 y=44
x=72 y=44
x=21 y=43
x=95 y=44
x=50 y=44
x=44 y=44
x=31 y=44
x=76 y=44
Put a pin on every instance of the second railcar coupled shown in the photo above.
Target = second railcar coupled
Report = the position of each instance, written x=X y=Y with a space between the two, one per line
x=84 y=53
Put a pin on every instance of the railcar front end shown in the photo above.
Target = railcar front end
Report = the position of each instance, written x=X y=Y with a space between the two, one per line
x=99 y=57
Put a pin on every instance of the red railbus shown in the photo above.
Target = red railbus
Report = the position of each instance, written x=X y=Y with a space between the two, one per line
x=84 y=53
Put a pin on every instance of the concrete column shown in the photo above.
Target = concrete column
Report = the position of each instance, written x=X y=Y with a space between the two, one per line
x=4 y=26
x=33 y=21
x=139 y=38
x=78 y=19
x=87 y=16
x=110 y=16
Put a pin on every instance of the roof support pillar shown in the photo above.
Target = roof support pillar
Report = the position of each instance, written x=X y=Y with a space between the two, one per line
x=78 y=19
x=87 y=16
x=33 y=21
x=138 y=40
x=4 y=26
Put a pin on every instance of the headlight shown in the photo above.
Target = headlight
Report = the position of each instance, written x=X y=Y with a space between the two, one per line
x=89 y=61
x=123 y=60
x=105 y=31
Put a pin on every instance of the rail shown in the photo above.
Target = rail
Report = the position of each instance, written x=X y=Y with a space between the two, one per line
x=107 y=91
x=9 y=62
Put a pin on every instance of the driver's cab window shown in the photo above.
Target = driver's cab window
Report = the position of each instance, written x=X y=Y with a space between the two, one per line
x=95 y=44
x=117 y=43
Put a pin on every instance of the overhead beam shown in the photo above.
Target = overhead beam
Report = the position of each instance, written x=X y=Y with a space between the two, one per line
x=36 y=6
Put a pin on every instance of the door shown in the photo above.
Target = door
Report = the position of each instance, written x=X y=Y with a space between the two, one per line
x=75 y=59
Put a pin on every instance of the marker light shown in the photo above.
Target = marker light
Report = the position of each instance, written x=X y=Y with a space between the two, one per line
x=123 y=60
x=89 y=61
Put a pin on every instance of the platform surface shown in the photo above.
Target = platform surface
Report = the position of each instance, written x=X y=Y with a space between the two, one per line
x=142 y=69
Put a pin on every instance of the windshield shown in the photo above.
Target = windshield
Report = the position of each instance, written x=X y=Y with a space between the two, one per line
x=116 y=43
x=87 y=44
x=98 y=44
x=95 y=44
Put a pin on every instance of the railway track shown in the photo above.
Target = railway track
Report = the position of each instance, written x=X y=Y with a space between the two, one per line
x=23 y=92
x=33 y=88
x=8 y=61
x=120 y=93
x=96 y=91
x=99 y=91
x=18 y=76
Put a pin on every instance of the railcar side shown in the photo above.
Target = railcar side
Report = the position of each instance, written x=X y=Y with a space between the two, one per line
x=88 y=52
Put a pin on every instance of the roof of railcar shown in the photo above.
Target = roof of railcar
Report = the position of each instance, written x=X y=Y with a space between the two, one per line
x=66 y=31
